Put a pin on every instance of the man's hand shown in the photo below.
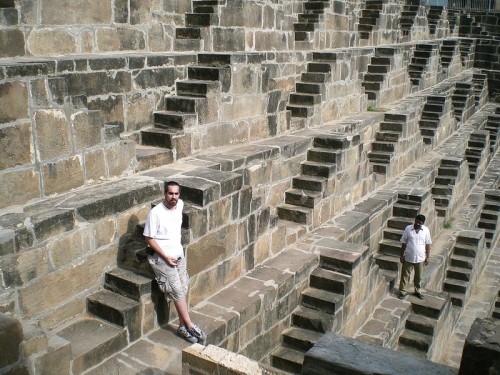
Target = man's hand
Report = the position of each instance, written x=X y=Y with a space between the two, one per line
x=426 y=261
x=402 y=259
x=171 y=261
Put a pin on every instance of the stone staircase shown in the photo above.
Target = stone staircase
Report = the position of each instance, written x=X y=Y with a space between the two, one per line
x=449 y=48
x=408 y=15
x=432 y=113
x=205 y=14
x=427 y=325
x=465 y=266
x=310 y=19
x=477 y=151
x=370 y=17
x=490 y=215
x=192 y=105
x=420 y=62
x=449 y=171
x=463 y=100
x=315 y=182
x=321 y=304
x=433 y=17
x=389 y=248
x=493 y=127
x=375 y=78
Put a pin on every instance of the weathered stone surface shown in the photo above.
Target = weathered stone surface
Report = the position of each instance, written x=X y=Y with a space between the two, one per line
x=47 y=123
x=95 y=165
x=43 y=42
x=119 y=157
x=19 y=269
x=87 y=128
x=11 y=43
x=139 y=111
x=482 y=348
x=120 y=39
x=11 y=336
x=98 y=83
x=13 y=101
x=66 y=249
x=22 y=186
x=62 y=175
x=110 y=108
x=336 y=353
x=16 y=147
x=80 y=13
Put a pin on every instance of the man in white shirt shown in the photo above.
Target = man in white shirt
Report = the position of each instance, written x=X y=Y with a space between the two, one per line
x=163 y=235
x=415 y=250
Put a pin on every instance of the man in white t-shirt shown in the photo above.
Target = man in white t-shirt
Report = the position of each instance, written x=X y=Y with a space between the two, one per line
x=415 y=250
x=163 y=235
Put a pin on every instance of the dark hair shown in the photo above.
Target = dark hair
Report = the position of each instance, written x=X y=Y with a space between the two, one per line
x=171 y=183
x=420 y=218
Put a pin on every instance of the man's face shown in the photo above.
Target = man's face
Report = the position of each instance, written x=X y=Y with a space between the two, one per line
x=418 y=224
x=172 y=196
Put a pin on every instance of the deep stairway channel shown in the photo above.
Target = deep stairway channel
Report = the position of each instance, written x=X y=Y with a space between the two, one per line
x=309 y=20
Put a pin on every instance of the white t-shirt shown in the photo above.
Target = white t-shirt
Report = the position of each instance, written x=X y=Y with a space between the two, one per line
x=164 y=226
x=415 y=243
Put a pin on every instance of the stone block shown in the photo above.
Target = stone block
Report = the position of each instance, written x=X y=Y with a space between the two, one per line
x=139 y=110
x=482 y=348
x=11 y=336
x=98 y=83
x=71 y=246
x=46 y=42
x=121 y=11
x=63 y=313
x=19 y=269
x=258 y=174
x=243 y=107
x=119 y=158
x=62 y=175
x=13 y=101
x=87 y=129
x=154 y=78
x=21 y=185
x=47 y=123
x=16 y=147
x=110 y=108
x=39 y=93
x=79 y=13
x=120 y=39
x=228 y=39
x=241 y=14
x=35 y=340
x=219 y=213
x=64 y=283
x=11 y=43
x=211 y=249
x=95 y=165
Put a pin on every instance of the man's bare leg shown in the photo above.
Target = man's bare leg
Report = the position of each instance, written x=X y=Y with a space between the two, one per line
x=182 y=312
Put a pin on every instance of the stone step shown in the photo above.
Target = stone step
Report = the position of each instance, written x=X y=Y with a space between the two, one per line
x=185 y=104
x=303 y=198
x=405 y=210
x=127 y=283
x=371 y=86
x=399 y=223
x=188 y=33
x=330 y=281
x=465 y=250
x=384 y=146
x=442 y=190
x=462 y=262
x=315 y=6
x=322 y=155
x=311 y=319
x=210 y=73
x=457 y=298
x=392 y=234
x=390 y=247
x=311 y=17
x=431 y=306
x=319 y=67
x=304 y=99
x=313 y=183
x=321 y=300
x=374 y=77
x=458 y=273
x=311 y=168
x=378 y=60
x=380 y=157
x=287 y=359
x=300 y=339
x=387 y=136
x=165 y=138
x=187 y=44
x=175 y=120
x=454 y=285
x=149 y=157
x=380 y=69
x=304 y=26
x=416 y=340
x=118 y=310
x=422 y=324
x=487 y=224
x=441 y=200
x=341 y=256
x=335 y=142
x=295 y=214
x=201 y=19
x=302 y=111
x=489 y=214
x=92 y=340
x=197 y=88
x=316 y=77
x=310 y=88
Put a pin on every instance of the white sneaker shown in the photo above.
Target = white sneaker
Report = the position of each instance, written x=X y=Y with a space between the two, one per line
x=187 y=335
x=198 y=333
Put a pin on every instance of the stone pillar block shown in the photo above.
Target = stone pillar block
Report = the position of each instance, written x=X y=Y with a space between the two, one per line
x=87 y=129
x=120 y=39
x=119 y=157
x=80 y=12
x=16 y=147
x=43 y=42
x=22 y=186
x=47 y=123
x=11 y=43
x=95 y=165
x=11 y=336
x=228 y=39
x=62 y=175
x=481 y=354
x=13 y=100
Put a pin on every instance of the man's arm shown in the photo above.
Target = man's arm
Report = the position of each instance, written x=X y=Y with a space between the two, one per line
x=157 y=249
x=402 y=257
x=427 y=253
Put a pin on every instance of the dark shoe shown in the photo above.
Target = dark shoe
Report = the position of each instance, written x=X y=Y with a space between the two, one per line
x=418 y=295
x=198 y=333
x=187 y=335
x=401 y=295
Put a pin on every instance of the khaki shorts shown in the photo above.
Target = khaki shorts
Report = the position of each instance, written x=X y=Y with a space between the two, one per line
x=173 y=281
